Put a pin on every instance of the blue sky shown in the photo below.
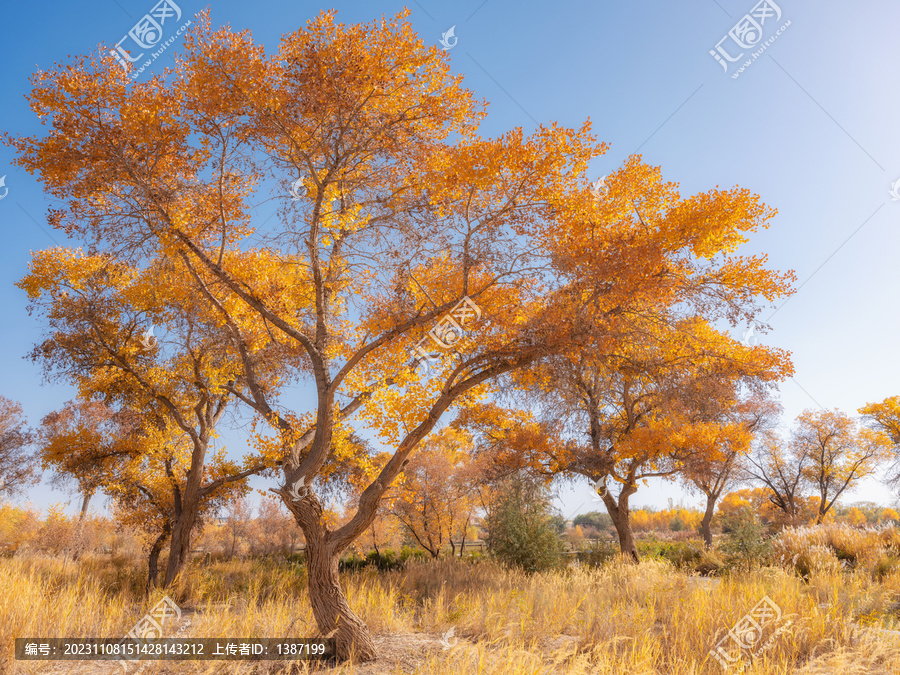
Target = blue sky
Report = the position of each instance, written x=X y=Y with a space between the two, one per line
x=813 y=126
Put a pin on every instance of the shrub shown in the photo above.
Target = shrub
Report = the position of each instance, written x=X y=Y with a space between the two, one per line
x=745 y=545
x=837 y=547
x=520 y=526
x=885 y=566
x=686 y=555
x=384 y=561
x=599 y=553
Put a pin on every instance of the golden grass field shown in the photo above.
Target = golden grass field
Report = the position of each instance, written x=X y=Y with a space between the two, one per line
x=616 y=618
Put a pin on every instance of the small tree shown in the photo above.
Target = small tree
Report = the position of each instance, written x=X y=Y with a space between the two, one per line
x=840 y=453
x=520 y=531
x=781 y=471
x=16 y=469
x=712 y=473
x=237 y=524
x=434 y=503
x=884 y=417
x=274 y=530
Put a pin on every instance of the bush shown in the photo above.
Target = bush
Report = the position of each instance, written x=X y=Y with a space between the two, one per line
x=685 y=555
x=599 y=521
x=520 y=527
x=745 y=546
x=838 y=547
x=885 y=566
x=600 y=553
x=384 y=561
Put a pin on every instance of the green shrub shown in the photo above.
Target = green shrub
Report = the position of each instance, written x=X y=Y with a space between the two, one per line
x=685 y=555
x=384 y=561
x=520 y=526
x=600 y=553
x=745 y=546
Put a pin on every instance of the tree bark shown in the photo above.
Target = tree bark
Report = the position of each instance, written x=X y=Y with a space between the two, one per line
x=329 y=604
x=84 y=505
x=462 y=544
x=187 y=508
x=705 y=524
x=621 y=517
x=153 y=560
x=179 y=547
x=79 y=544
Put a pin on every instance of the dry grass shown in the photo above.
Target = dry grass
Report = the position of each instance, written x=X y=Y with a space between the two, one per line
x=614 y=619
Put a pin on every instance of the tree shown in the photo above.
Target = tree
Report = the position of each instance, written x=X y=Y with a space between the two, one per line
x=712 y=472
x=749 y=503
x=781 y=470
x=655 y=406
x=519 y=525
x=96 y=310
x=274 y=530
x=885 y=417
x=856 y=517
x=145 y=474
x=401 y=214
x=237 y=523
x=80 y=439
x=434 y=501
x=16 y=466
x=839 y=453
x=599 y=521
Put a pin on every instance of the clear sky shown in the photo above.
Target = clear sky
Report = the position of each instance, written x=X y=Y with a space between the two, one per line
x=812 y=125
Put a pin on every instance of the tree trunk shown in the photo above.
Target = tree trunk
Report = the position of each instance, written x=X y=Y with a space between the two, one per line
x=375 y=542
x=329 y=604
x=462 y=544
x=707 y=519
x=79 y=536
x=153 y=560
x=84 y=505
x=180 y=544
x=332 y=612
x=187 y=507
x=621 y=517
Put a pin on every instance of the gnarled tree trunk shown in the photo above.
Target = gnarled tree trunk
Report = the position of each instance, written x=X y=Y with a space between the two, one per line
x=329 y=604
x=331 y=610
x=187 y=510
x=705 y=524
x=153 y=560
x=621 y=516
